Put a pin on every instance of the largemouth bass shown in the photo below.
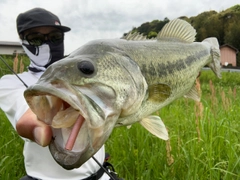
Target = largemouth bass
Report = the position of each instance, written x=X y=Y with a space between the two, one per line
x=110 y=83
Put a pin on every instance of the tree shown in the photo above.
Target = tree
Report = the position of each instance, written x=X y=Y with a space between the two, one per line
x=215 y=28
x=144 y=28
x=152 y=34
x=232 y=35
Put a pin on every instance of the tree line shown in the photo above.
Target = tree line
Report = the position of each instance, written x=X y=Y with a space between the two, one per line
x=224 y=25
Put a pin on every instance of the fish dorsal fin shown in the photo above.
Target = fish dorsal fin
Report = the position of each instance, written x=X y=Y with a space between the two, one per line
x=155 y=126
x=159 y=92
x=136 y=36
x=177 y=29
x=193 y=94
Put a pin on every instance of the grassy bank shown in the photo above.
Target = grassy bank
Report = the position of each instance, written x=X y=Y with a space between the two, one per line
x=204 y=139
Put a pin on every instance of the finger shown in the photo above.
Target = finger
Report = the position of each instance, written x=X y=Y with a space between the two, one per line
x=30 y=127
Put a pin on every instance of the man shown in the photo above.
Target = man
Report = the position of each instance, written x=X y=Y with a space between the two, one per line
x=42 y=37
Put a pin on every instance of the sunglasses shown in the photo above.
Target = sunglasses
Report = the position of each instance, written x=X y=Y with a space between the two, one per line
x=37 y=39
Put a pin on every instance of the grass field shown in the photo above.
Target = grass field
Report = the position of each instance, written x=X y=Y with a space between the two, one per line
x=204 y=139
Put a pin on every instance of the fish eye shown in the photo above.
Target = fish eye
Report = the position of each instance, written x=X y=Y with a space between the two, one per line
x=86 y=68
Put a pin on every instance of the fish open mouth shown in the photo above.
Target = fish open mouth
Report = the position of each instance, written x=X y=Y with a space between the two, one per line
x=65 y=120
x=64 y=113
x=77 y=117
x=69 y=127
x=69 y=121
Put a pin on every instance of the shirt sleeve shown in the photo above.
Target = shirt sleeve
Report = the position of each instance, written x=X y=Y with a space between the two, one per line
x=12 y=100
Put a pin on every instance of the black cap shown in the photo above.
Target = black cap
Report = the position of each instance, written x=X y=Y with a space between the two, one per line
x=38 y=17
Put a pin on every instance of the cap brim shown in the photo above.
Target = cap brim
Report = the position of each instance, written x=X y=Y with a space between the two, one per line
x=63 y=28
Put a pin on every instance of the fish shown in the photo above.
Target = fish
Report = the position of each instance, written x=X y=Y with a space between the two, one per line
x=108 y=83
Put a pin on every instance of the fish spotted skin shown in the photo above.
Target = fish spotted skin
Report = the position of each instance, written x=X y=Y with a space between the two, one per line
x=119 y=82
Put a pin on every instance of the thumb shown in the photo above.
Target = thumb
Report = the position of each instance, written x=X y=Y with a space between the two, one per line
x=42 y=134
x=28 y=126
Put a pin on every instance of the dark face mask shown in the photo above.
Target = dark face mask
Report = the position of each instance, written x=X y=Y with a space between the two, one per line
x=57 y=53
x=43 y=56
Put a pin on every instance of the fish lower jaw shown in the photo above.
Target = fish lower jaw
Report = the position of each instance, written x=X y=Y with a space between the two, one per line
x=67 y=159
x=70 y=153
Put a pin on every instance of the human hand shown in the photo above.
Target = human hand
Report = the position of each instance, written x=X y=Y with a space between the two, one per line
x=30 y=127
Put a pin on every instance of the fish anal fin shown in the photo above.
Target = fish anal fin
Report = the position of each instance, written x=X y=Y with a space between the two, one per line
x=159 y=92
x=193 y=94
x=177 y=30
x=155 y=126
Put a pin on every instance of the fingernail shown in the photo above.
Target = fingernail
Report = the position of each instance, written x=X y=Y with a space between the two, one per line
x=38 y=136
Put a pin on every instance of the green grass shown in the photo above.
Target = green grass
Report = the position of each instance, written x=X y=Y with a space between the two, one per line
x=11 y=146
x=138 y=155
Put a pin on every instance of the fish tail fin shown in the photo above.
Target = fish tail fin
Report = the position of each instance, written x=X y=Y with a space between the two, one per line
x=215 y=52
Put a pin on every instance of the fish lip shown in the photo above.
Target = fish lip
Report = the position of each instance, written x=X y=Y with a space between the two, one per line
x=52 y=91
x=75 y=101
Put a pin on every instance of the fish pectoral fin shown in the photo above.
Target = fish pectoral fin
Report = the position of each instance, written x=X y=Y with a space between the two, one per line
x=159 y=92
x=155 y=126
x=193 y=94
x=177 y=30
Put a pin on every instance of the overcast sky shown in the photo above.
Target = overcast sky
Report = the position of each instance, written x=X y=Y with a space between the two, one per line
x=100 y=19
